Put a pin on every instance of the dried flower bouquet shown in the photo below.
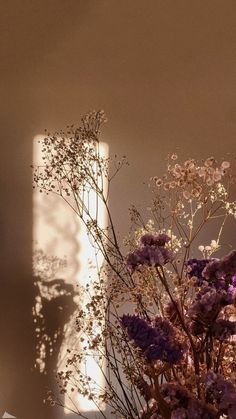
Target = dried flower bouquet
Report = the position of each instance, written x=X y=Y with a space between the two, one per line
x=160 y=320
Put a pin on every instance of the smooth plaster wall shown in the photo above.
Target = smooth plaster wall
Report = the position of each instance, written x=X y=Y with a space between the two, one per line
x=165 y=73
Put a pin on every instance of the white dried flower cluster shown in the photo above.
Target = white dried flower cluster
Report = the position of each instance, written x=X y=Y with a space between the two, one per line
x=208 y=250
x=175 y=243
x=218 y=193
x=231 y=208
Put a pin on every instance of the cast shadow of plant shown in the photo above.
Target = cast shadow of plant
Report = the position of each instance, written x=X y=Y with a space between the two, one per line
x=55 y=304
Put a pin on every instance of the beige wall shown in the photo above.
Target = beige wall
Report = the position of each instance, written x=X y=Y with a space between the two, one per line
x=165 y=73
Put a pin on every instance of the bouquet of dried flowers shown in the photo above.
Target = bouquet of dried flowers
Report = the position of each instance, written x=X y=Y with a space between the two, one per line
x=159 y=320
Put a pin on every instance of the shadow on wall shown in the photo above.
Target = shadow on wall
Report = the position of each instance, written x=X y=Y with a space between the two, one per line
x=54 y=306
x=23 y=387
x=56 y=229
x=31 y=361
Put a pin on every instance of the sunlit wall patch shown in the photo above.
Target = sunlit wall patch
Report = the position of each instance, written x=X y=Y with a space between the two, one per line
x=63 y=251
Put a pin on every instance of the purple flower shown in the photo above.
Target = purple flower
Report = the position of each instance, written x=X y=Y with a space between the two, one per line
x=230 y=297
x=142 y=333
x=223 y=329
x=179 y=413
x=223 y=268
x=165 y=346
x=212 y=270
x=175 y=394
x=184 y=404
x=222 y=392
x=233 y=281
x=232 y=410
x=195 y=268
x=155 y=240
x=205 y=309
x=157 y=342
x=151 y=252
x=133 y=260
x=163 y=326
x=165 y=351
x=197 y=409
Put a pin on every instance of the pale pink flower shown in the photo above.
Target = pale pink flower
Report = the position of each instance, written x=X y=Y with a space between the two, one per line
x=225 y=165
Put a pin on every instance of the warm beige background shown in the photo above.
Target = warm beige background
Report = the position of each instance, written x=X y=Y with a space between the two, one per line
x=164 y=71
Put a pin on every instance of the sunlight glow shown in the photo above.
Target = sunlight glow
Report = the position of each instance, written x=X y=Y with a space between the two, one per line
x=58 y=232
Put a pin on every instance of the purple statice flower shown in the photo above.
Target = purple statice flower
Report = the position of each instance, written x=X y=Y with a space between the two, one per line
x=142 y=333
x=222 y=268
x=133 y=260
x=165 y=346
x=195 y=268
x=163 y=326
x=179 y=413
x=158 y=342
x=205 y=309
x=223 y=329
x=184 y=405
x=232 y=410
x=197 y=409
x=221 y=391
x=151 y=252
x=165 y=351
x=230 y=297
x=233 y=281
x=198 y=268
x=155 y=240
x=175 y=395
